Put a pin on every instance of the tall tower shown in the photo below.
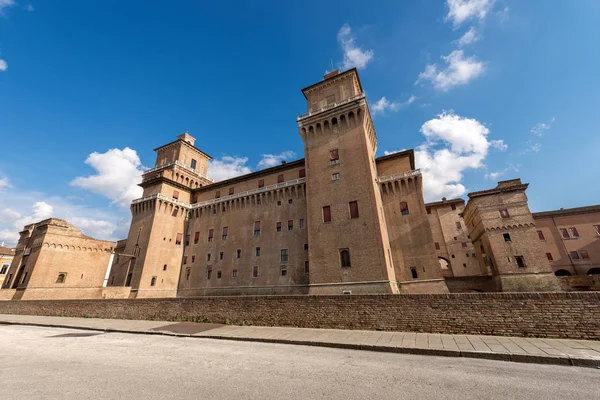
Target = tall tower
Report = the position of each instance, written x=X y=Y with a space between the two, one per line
x=505 y=238
x=349 y=245
x=153 y=255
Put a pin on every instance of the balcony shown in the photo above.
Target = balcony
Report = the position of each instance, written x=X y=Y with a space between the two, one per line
x=330 y=106
x=180 y=165
x=395 y=177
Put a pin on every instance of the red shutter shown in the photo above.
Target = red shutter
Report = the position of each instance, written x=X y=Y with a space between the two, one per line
x=327 y=214
x=302 y=173
x=290 y=223
x=279 y=226
x=217 y=194
x=175 y=194
x=584 y=254
x=437 y=246
x=280 y=178
x=574 y=255
x=261 y=183
x=334 y=155
x=353 y=209
x=178 y=238
x=196 y=237
x=210 y=233
x=225 y=230
x=231 y=191
x=541 y=235
x=574 y=232
x=257 y=225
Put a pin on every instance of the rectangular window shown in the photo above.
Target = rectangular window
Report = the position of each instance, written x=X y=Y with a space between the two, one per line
x=464 y=244
x=541 y=235
x=574 y=232
x=549 y=257
x=520 y=261
x=210 y=234
x=403 y=208
x=283 y=271
x=279 y=227
x=306 y=270
x=302 y=173
x=334 y=156
x=255 y=271
x=284 y=255
x=196 y=237
x=428 y=209
x=219 y=274
x=413 y=273
x=574 y=255
x=353 y=209
x=153 y=281
x=290 y=225
x=506 y=237
x=504 y=213
x=437 y=246
x=208 y=273
x=256 y=228
x=261 y=183
x=4 y=269
x=327 y=214
x=175 y=194
x=208 y=257
x=234 y=273
x=225 y=232
x=584 y=254
x=217 y=194
x=193 y=259
x=345 y=257
x=188 y=271
x=280 y=178
x=453 y=206
x=238 y=253
x=258 y=252
x=564 y=233
x=231 y=191
x=187 y=239
x=220 y=255
x=178 y=238
x=305 y=246
x=335 y=176
x=597 y=229
x=301 y=223
x=290 y=201
x=184 y=260
x=458 y=225
x=193 y=164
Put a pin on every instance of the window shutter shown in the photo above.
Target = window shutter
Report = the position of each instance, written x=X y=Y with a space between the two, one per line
x=225 y=230
x=574 y=232
x=327 y=214
x=175 y=194
x=257 y=225
x=196 y=236
x=280 y=178
x=334 y=155
x=261 y=183
x=541 y=235
x=302 y=173
x=178 y=238
x=353 y=209
x=211 y=233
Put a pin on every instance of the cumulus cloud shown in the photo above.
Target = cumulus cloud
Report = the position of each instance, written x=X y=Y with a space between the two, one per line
x=459 y=70
x=3 y=65
x=118 y=173
x=4 y=183
x=469 y=37
x=539 y=128
x=5 y=4
x=496 y=174
x=354 y=56
x=271 y=160
x=460 y=11
x=13 y=222
x=382 y=105
x=228 y=167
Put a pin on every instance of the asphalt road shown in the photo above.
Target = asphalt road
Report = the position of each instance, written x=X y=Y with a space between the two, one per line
x=53 y=363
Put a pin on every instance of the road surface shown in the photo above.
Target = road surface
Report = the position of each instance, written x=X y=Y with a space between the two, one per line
x=55 y=363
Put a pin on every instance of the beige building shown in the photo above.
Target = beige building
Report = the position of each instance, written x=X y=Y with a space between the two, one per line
x=6 y=256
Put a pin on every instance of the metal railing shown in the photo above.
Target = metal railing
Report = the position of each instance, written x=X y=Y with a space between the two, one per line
x=332 y=105
x=394 y=177
x=181 y=165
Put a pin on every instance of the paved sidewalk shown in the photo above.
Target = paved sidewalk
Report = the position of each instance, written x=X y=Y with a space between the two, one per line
x=583 y=353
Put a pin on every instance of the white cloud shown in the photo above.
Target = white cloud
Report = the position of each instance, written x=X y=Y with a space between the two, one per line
x=354 y=56
x=30 y=7
x=271 y=160
x=459 y=71
x=454 y=144
x=118 y=174
x=382 y=105
x=4 y=183
x=5 y=4
x=3 y=65
x=492 y=175
x=499 y=145
x=460 y=11
x=228 y=167
x=469 y=37
x=540 y=128
x=532 y=147
x=495 y=175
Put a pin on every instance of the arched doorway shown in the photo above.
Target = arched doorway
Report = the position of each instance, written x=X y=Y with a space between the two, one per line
x=594 y=271
x=446 y=267
x=562 y=272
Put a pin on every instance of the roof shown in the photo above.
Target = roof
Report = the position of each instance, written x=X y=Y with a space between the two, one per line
x=335 y=77
x=6 y=251
x=186 y=143
x=503 y=186
x=410 y=153
x=567 y=211
x=444 y=202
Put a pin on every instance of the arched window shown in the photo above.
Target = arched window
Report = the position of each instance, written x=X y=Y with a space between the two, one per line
x=334 y=121
x=562 y=272
x=345 y=257
x=153 y=281
x=594 y=271
x=413 y=272
x=403 y=208
x=61 y=277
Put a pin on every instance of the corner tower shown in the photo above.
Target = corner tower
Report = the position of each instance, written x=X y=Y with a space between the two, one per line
x=153 y=255
x=349 y=244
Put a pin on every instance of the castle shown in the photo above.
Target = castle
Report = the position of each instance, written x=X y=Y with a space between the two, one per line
x=339 y=221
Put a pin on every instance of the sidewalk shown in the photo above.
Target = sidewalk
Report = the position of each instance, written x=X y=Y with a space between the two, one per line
x=582 y=353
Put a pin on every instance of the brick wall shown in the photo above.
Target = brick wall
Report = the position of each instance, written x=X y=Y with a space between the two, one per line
x=558 y=315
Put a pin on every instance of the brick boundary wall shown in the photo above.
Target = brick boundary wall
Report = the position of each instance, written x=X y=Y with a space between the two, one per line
x=554 y=315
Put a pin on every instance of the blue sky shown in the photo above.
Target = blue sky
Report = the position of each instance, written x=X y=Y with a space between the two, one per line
x=483 y=90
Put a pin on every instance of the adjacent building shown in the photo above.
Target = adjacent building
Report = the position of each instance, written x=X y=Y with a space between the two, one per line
x=6 y=256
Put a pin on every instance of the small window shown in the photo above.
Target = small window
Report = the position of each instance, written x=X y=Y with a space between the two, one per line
x=193 y=164
x=452 y=255
x=584 y=254
x=549 y=257
x=153 y=281
x=219 y=274
x=280 y=178
x=473 y=255
x=234 y=273
x=305 y=246
x=178 y=238
x=225 y=233
x=467 y=254
x=257 y=252
x=464 y=244
x=506 y=237
x=574 y=255
x=458 y=226
x=4 y=269
x=290 y=201
x=302 y=173
x=464 y=265
x=256 y=228
x=175 y=194
x=414 y=273
x=258 y=201
x=283 y=271
x=238 y=253
x=574 y=232
x=208 y=257
x=403 y=208
x=217 y=194
x=437 y=245
x=279 y=227
x=301 y=223
x=428 y=210
x=261 y=183
x=541 y=235
x=334 y=121
x=327 y=214
x=210 y=234
x=504 y=213
x=255 y=271
x=278 y=202
x=353 y=209
x=453 y=206
x=335 y=176
x=208 y=273
x=187 y=240
x=61 y=277
x=284 y=255
x=334 y=156
x=184 y=260
x=231 y=191
x=597 y=229
x=290 y=225
x=220 y=255
x=306 y=268
x=520 y=261
x=188 y=271
x=345 y=257
x=564 y=233
x=196 y=237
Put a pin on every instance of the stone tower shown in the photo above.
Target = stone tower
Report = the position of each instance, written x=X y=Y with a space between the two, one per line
x=505 y=238
x=349 y=244
x=152 y=259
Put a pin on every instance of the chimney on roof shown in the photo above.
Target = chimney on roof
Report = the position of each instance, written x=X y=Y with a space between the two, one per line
x=330 y=74
x=283 y=162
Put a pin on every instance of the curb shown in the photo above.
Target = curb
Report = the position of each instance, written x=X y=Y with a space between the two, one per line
x=520 y=358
